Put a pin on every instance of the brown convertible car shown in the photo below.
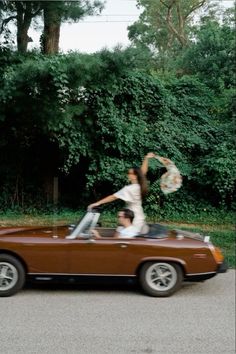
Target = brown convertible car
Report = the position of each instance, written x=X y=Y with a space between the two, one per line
x=161 y=259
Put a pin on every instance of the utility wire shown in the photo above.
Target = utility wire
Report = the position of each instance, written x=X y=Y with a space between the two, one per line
x=106 y=21
x=114 y=15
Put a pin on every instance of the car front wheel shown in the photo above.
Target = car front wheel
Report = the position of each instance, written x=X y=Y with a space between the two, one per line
x=12 y=275
x=160 y=278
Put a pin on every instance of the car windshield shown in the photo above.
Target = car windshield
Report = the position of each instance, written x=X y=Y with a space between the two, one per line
x=85 y=225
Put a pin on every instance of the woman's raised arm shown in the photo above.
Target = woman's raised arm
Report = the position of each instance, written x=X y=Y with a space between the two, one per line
x=144 y=166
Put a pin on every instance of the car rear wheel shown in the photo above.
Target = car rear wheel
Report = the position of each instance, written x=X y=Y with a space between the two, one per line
x=160 y=278
x=12 y=275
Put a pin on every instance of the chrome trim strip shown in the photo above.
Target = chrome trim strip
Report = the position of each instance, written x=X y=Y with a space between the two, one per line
x=44 y=278
x=45 y=275
x=190 y=274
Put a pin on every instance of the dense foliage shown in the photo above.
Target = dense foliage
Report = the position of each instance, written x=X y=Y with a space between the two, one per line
x=87 y=118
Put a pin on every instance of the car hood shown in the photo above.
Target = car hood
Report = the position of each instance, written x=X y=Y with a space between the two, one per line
x=28 y=231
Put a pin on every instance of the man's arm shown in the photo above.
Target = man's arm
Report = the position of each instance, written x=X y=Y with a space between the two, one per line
x=116 y=234
x=96 y=234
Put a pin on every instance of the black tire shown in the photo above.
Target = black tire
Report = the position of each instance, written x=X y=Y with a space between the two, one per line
x=12 y=275
x=160 y=278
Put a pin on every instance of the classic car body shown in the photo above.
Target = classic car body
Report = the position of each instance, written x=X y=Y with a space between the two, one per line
x=160 y=259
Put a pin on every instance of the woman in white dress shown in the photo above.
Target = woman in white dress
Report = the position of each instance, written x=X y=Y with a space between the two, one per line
x=133 y=193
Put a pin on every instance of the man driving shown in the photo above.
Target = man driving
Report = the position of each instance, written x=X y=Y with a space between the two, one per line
x=125 y=227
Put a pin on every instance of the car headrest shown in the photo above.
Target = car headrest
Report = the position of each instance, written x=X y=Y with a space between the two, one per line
x=155 y=231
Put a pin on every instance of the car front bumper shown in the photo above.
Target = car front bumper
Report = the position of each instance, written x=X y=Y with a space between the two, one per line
x=222 y=268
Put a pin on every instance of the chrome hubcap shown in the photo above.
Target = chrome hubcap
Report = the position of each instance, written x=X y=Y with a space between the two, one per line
x=161 y=276
x=8 y=276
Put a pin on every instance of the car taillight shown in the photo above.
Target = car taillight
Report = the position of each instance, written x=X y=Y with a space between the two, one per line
x=217 y=254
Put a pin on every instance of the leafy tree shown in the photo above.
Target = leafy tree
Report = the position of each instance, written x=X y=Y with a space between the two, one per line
x=211 y=56
x=164 y=23
x=56 y=12
x=210 y=59
x=23 y=12
x=53 y=12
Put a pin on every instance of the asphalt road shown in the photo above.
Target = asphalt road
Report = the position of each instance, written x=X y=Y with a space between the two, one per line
x=199 y=318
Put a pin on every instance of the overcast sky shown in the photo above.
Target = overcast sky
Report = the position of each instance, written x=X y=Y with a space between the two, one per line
x=107 y=30
x=97 y=32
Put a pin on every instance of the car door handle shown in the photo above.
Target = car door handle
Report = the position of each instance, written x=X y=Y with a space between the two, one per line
x=123 y=244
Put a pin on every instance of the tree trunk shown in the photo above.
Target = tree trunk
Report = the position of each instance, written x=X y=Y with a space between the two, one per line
x=52 y=25
x=22 y=39
x=24 y=17
x=51 y=38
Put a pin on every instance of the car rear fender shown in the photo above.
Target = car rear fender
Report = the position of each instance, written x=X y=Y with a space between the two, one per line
x=172 y=260
x=13 y=254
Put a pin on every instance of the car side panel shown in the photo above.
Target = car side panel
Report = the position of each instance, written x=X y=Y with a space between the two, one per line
x=56 y=254
x=194 y=256
x=41 y=255
x=103 y=256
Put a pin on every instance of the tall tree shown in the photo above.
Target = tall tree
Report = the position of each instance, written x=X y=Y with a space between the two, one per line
x=26 y=11
x=164 y=23
x=211 y=56
x=56 y=12
x=22 y=12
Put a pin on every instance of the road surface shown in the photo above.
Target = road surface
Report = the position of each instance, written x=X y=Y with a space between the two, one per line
x=198 y=319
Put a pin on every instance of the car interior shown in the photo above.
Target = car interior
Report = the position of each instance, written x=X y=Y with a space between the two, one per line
x=89 y=222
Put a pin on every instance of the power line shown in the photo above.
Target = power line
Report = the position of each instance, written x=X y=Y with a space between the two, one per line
x=114 y=15
x=106 y=21
x=106 y=16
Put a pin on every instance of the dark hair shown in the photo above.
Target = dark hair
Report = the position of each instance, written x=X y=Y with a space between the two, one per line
x=128 y=214
x=141 y=180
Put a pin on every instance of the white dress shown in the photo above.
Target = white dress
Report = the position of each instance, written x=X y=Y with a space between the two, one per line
x=131 y=194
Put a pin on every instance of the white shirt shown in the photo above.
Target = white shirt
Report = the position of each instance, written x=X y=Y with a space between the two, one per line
x=131 y=194
x=127 y=232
